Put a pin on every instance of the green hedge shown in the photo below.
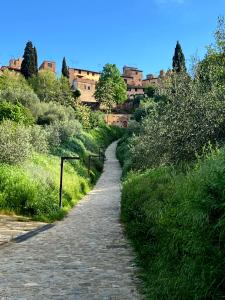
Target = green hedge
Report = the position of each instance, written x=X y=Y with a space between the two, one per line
x=176 y=221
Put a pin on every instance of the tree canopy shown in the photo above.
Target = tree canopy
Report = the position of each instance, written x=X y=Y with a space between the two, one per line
x=65 y=71
x=111 y=88
x=178 y=59
x=29 y=65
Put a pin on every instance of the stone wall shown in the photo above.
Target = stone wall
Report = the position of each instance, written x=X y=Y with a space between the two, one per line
x=120 y=120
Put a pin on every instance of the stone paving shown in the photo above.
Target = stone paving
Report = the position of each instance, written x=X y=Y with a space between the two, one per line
x=13 y=226
x=85 y=256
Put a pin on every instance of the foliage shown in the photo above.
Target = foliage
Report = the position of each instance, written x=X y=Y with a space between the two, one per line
x=32 y=188
x=179 y=129
x=39 y=139
x=111 y=88
x=83 y=114
x=15 y=142
x=150 y=91
x=16 y=113
x=48 y=113
x=65 y=95
x=174 y=211
x=65 y=71
x=29 y=64
x=50 y=89
x=76 y=94
x=146 y=108
x=15 y=89
x=176 y=221
x=178 y=59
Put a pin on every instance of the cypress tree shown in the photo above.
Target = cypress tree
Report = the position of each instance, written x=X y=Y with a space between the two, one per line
x=35 y=60
x=65 y=71
x=178 y=59
x=29 y=61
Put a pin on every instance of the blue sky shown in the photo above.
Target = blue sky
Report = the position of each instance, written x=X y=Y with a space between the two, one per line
x=91 y=33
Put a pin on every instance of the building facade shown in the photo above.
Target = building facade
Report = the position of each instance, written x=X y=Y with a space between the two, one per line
x=155 y=80
x=133 y=77
x=85 y=81
x=48 y=66
x=15 y=63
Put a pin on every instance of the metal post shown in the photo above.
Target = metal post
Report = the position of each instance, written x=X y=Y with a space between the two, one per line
x=61 y=183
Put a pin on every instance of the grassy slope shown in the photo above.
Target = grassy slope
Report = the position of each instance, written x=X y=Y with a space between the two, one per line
x=33 y=188
x=176 y=222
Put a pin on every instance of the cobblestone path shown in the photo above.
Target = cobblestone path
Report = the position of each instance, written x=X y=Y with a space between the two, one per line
x=84 y=256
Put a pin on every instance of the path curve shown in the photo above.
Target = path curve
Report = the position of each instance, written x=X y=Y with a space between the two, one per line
x=85 y=256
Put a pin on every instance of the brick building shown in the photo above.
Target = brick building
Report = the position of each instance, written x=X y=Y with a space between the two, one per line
x=48 y=66
x=85 y=81
x=133 y=78
x=154 y=79
x=15 y=63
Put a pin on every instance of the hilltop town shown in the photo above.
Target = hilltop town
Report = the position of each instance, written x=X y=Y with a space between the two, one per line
x=85 y=80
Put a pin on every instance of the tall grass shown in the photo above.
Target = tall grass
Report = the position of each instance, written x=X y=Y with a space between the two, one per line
x=32 y=188
x=176 y=221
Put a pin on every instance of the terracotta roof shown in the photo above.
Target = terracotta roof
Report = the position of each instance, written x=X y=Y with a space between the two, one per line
x=132 y=68
x=10 y=68
x=85 y=80
x=84 y=70
x=124 y=76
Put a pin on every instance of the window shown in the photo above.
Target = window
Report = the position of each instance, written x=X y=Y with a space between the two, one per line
x=85 y=86
x=49 y=65
x=79 y=71
x=93 y=74
x=88 y=73
x=136 y=73
x=89 y=88
x=135 y=90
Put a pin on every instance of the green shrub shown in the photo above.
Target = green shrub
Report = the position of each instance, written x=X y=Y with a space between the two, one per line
x=51 y=112
x=39 y=139
x=50 y=89
x=177 y=223
x=16 y=113
x=15 y=142
x=15 y=89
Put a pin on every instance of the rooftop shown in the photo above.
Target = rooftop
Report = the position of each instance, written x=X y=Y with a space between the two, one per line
x=132 y=68
x=84 y=70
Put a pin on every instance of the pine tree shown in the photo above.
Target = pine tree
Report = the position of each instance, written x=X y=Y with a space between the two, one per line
x=178 y=59
x=29 y=61
x=65 y=71
x=35 y=60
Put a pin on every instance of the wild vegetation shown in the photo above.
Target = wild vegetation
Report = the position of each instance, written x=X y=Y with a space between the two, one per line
x=173 y=160
x=40 y=121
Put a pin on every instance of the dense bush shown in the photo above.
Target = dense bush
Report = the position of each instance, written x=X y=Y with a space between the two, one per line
x=174 y=211
x=178 y=130
x=15 y=89
x=15 y=142
x=50 y=112
x=39 y=139
x=50 y=89
x=177 y=223
x=15 y=112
